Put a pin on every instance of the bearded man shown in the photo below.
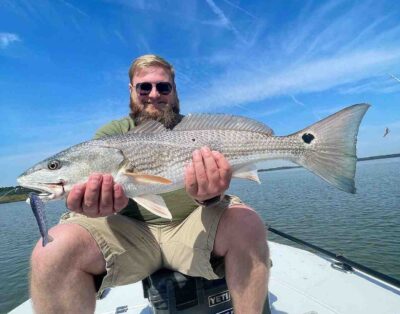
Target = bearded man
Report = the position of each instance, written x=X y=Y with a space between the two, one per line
x=108 y=240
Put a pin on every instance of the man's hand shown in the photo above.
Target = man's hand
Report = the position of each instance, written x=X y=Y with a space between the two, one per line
x=208 y=176
x=98 y=197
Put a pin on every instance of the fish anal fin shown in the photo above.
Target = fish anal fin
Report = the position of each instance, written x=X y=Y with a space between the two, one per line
x=147 y=178
x=248 y=172
x=155 y=204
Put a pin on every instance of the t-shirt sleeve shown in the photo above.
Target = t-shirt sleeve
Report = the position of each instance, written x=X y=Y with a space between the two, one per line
x=114 y=127
x=111 y=128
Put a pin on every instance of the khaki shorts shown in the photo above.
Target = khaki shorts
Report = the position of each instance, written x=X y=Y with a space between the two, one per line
x=134 y=249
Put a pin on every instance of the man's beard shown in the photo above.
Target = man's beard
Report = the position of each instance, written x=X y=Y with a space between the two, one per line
x=169 y=115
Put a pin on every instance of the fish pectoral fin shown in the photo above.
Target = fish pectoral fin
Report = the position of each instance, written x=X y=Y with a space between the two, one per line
x=147 y=178
x=155 y=204
x=248 y=172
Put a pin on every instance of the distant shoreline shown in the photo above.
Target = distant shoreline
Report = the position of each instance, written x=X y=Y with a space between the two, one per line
x=22 y=194
x=15 y=196
x=379 y=157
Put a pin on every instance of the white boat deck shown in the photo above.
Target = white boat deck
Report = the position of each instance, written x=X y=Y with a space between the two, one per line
x=300 y=282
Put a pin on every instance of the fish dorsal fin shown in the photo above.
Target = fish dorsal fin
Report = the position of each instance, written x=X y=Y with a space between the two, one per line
x=149 y=126
x=221 y=122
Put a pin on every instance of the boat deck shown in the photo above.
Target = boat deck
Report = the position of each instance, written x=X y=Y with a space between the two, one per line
x=300 y=282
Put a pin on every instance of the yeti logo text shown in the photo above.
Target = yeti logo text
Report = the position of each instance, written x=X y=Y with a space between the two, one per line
x=218 y=298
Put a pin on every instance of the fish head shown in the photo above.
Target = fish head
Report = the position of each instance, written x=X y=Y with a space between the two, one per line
x=55 y=176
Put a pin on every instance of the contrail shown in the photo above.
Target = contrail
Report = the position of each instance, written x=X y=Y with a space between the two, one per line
x=396 y=78
x=297 y=101
x=224 y=20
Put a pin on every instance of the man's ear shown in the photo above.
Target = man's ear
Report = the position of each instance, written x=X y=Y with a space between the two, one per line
x=130 y=88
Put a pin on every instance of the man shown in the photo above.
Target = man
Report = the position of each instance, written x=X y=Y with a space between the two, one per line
x=94 y=248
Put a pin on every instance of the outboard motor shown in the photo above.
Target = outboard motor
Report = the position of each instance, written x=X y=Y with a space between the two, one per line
x=171 y=292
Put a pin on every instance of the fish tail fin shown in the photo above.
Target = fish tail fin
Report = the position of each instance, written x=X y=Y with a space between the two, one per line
x=331 y=147
x=46 y=239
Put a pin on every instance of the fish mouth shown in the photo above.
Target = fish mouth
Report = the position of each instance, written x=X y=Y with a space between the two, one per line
x=48 y=190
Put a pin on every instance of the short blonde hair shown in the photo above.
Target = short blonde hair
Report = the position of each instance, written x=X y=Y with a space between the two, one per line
x=150 y=60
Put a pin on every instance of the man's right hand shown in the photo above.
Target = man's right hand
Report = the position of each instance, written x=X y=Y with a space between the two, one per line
x=98 y=197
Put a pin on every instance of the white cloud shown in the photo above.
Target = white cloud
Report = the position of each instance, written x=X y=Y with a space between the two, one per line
x=336 y=47
x=245 y=85
x=7 y=38
x=137 y=4
x=74 y=8
x=240 y=8
x=297 y=101
x=395 y=77
x=382 y=84
x=223 y=20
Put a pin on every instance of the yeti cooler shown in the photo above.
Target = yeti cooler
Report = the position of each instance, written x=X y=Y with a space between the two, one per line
x=172 y=292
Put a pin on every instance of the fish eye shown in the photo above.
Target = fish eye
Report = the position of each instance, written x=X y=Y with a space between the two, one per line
x=54 y=164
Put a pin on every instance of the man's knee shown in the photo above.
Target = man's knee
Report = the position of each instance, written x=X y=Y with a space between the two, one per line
x=241 y=227
x=71 y=248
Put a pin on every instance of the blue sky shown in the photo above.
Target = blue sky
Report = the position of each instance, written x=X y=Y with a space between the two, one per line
x=63 y=66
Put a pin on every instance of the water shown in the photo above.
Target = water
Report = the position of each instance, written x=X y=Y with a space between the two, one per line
x=18 y=235
x=364 y=227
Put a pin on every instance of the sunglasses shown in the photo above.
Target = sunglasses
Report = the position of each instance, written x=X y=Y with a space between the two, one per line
x=144 y=89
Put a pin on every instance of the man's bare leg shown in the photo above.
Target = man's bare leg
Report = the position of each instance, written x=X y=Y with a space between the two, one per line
x=241 y=239
x=62 y=272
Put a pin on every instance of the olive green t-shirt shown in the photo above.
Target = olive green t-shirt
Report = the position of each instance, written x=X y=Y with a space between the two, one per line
x=178 y=202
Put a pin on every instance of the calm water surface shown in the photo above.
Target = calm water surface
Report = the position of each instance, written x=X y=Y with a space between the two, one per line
x=364 y=227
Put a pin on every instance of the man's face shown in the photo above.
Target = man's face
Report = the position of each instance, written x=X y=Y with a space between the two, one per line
x=155 y=104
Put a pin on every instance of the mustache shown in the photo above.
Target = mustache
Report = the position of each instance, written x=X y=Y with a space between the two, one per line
x=149 y=102
x=167 y=115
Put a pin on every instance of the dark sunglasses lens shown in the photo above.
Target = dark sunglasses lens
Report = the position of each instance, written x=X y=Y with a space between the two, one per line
x=144 y=88
x=164 y=88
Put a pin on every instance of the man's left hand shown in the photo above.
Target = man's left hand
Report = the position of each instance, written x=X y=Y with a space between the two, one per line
x=208 y=176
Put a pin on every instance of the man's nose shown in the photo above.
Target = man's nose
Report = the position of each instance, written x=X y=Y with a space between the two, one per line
x=154 y=92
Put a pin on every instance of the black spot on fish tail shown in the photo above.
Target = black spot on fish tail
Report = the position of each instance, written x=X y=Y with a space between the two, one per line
x=308 y=138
